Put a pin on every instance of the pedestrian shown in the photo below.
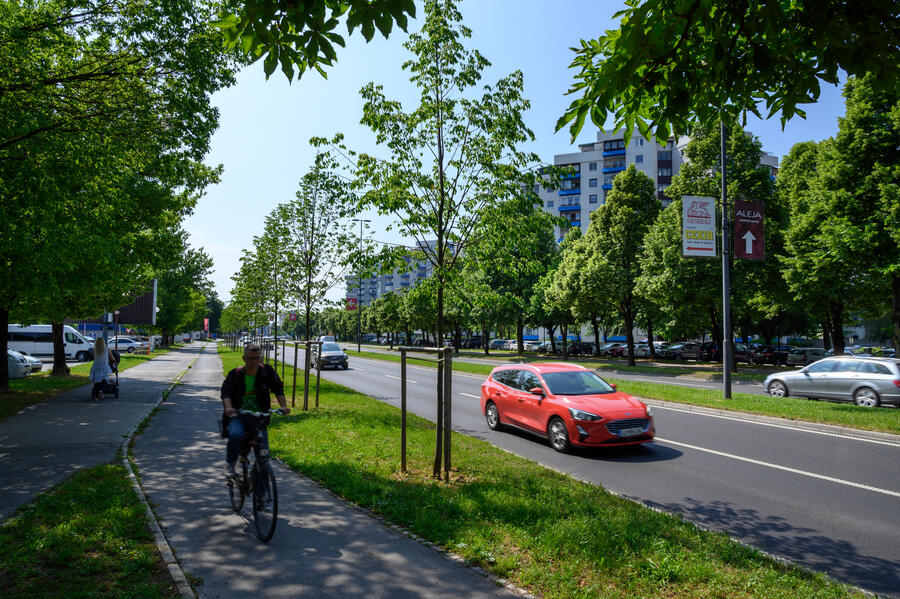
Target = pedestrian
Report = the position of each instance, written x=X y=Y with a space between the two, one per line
x=248 y=387
x=100 y=369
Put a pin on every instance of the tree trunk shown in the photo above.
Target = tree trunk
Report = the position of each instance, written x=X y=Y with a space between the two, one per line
x=629 y=331
x=895 y=311
x=565 y=340
x=596 y=326
x=650 y=346
x=458 y=339
x=836 y=307
x=4 y=347
x=826 y=331
x=485 y=340
x=59 y=350
x=552 y=338
x=520 y=336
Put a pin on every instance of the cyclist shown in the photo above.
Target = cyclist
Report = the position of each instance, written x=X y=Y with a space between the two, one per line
x=248 y=387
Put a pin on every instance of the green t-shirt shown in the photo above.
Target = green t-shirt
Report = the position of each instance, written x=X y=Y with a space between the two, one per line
x=249 y=401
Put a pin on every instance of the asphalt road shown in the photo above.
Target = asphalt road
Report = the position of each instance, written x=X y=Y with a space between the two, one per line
x=824 y=501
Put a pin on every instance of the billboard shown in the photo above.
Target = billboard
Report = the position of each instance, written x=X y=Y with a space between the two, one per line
x=749 y=237
x=698 y=226
x=351 y=303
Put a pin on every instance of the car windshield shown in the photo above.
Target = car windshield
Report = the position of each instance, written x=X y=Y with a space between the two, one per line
x=576 y=382
x=331 y=347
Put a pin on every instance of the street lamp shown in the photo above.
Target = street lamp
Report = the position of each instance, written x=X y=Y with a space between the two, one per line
x=359 y=289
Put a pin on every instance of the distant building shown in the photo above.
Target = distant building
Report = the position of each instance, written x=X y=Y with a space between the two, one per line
x=596 y=164
x=375 y=286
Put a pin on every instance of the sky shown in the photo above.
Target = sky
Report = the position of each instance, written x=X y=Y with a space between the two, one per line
x=265 y=125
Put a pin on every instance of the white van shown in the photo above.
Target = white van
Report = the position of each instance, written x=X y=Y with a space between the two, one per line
x=37 y=340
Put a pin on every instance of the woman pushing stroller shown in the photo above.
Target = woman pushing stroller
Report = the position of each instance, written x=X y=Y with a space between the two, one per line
x=106 y=362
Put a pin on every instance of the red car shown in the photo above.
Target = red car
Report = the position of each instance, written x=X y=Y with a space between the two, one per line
x=566 y=403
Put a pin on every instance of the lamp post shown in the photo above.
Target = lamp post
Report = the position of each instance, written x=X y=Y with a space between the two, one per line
x=359 y=290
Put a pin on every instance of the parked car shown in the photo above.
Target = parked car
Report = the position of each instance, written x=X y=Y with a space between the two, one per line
x=865 y=381
x=17 y=365
x=472 y=343
x=126 y=344
x=771 y=354
x=532 y=345
x=687 y=350
x=886 y=352
x=743 y=353
x=330 y=356
x=709 y=352
x=37 y=340
x=497 y=344
x=580 y=348
x=34 y=364
x=511 y=345
x=803 y=356
x=566 y=403
x=614 y=350
x=546 y=347
x=642 y=350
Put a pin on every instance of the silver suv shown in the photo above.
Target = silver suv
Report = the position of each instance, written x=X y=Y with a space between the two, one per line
x=867 y=382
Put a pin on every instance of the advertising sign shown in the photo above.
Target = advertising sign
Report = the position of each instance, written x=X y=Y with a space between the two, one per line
x=698 y=226
x=351 y=303
x=749 y=238
x=292 y=315
x=206 y=324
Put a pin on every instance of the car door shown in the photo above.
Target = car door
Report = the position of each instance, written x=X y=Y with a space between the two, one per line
x=843 y=378
x=813 y=380
x=531 y=406
x=502 y=393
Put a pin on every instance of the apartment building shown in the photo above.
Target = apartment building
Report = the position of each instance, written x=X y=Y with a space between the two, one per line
x=377 y=285
x=596 y=164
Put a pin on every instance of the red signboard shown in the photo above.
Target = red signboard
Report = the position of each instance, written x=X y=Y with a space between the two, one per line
x=351 y=303
x=749 y=238
x=206 y=324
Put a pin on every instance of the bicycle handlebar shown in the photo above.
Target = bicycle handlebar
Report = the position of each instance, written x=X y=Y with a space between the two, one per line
x=261 y=414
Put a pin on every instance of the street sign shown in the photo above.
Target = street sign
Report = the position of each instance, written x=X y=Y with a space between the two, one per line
x=351 y=303
x=749 y=238
x=698 y=226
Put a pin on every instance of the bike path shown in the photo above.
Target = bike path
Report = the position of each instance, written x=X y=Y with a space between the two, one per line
x=48 y=442
x=322 y=547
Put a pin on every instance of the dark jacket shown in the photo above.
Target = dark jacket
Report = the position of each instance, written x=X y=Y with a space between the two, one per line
x=267 y=382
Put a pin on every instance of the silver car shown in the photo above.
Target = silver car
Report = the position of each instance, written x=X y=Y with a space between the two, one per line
x=805 y=355
x=330 y=356
x=867 y=382
x=17 y=364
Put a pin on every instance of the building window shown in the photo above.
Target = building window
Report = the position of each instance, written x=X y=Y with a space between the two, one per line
x=592 y=183
x=665 y=155
x=549 y=203
x=665 y=172
x=615 y=144
x=592 y=166
x=537 y=189
x=639 y=159
x=614 y=163
x=592 y=198
x=661 y=187
x=608 y=179
x=639 y=141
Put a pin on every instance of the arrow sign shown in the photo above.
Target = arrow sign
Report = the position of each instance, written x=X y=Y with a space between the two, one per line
x=748 y=238
x=748 y=228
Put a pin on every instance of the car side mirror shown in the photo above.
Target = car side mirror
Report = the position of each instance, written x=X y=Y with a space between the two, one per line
x=536 y=391
x=614 y=386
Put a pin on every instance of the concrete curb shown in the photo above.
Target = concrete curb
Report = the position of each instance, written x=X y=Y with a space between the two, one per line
x=831 y=429
x=162 y=543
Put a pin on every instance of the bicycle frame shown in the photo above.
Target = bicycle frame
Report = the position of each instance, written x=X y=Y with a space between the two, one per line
x=259 y=481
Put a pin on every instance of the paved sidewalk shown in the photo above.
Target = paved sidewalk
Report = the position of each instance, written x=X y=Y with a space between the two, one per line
x=322 y=547
x=49 y=441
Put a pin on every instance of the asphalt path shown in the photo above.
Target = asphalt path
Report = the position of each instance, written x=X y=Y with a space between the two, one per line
x=825 y=501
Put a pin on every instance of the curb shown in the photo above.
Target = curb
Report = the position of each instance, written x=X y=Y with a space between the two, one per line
x=814 y=427
x=162 y=543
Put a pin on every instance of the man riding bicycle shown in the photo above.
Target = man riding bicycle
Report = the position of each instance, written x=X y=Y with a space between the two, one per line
x=248 y=387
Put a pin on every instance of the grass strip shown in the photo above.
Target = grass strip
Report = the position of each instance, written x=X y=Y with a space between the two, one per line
x=541 y=529
x=86 y=537
x=41 y=386
x=885 y=420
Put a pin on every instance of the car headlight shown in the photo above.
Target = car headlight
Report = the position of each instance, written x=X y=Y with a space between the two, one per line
x=649 y=410
x=582 y=415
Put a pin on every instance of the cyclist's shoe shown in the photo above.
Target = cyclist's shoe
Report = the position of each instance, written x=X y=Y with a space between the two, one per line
x=230 y=474
x=99 y=395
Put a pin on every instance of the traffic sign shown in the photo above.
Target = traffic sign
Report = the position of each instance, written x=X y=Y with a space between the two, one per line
x=749 y=238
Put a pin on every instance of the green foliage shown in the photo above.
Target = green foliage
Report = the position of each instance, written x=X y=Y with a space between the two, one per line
x=303 y=35
x=182 y=291
x=675 y=62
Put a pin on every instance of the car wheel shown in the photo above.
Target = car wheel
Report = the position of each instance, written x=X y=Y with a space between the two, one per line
x=492 y=415
x=866 y=398
x=345 y=366
x=82 y=356
x=778 y=389
x=130 y=350
x=558 y=435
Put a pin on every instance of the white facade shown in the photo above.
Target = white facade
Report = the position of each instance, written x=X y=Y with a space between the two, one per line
x=375 y=286
x=595 y=166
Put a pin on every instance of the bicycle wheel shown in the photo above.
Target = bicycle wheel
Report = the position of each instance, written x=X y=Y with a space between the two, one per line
x=265 y=501
x=236 y=488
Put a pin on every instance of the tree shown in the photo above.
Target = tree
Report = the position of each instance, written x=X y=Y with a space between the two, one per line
x=314 y=232
x=470 y=144
x=182 y=291
x=674 y=62
x=612 y=246
x=302 y=35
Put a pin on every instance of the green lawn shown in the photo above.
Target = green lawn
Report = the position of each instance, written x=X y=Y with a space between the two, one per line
x=37 y=387
x=793 y=408
x=544 y=531
x=86 y=537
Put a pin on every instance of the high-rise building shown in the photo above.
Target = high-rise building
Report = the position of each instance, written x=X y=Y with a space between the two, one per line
x=377 y=285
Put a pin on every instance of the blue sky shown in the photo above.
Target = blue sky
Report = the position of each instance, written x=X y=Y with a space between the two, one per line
x=265 y=126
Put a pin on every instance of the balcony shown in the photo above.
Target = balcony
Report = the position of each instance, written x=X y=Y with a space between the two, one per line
x=570 y=192
x=613 y=169
x=572 y=208
x=607 y=186
x=404 y=275
x=620 y=152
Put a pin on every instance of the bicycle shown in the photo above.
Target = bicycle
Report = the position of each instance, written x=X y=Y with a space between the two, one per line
x=260 y=481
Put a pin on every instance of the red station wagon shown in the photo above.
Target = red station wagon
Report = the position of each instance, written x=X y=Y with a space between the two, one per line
x=566 y=403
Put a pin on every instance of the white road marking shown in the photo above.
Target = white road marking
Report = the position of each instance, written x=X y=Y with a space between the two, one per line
x=669 y=383
x=773 y=425
x=472 y=396
x=391 y=376
x=784 y=468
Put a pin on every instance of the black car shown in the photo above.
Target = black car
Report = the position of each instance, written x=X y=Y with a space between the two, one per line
x=709 y=352
x=579 y=348
x=771 y=354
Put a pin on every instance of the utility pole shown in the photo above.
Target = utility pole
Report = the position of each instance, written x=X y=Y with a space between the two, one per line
x=726 y=275
x=359 y=289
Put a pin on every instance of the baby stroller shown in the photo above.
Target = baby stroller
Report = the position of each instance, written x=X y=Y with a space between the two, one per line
x=111 y=387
